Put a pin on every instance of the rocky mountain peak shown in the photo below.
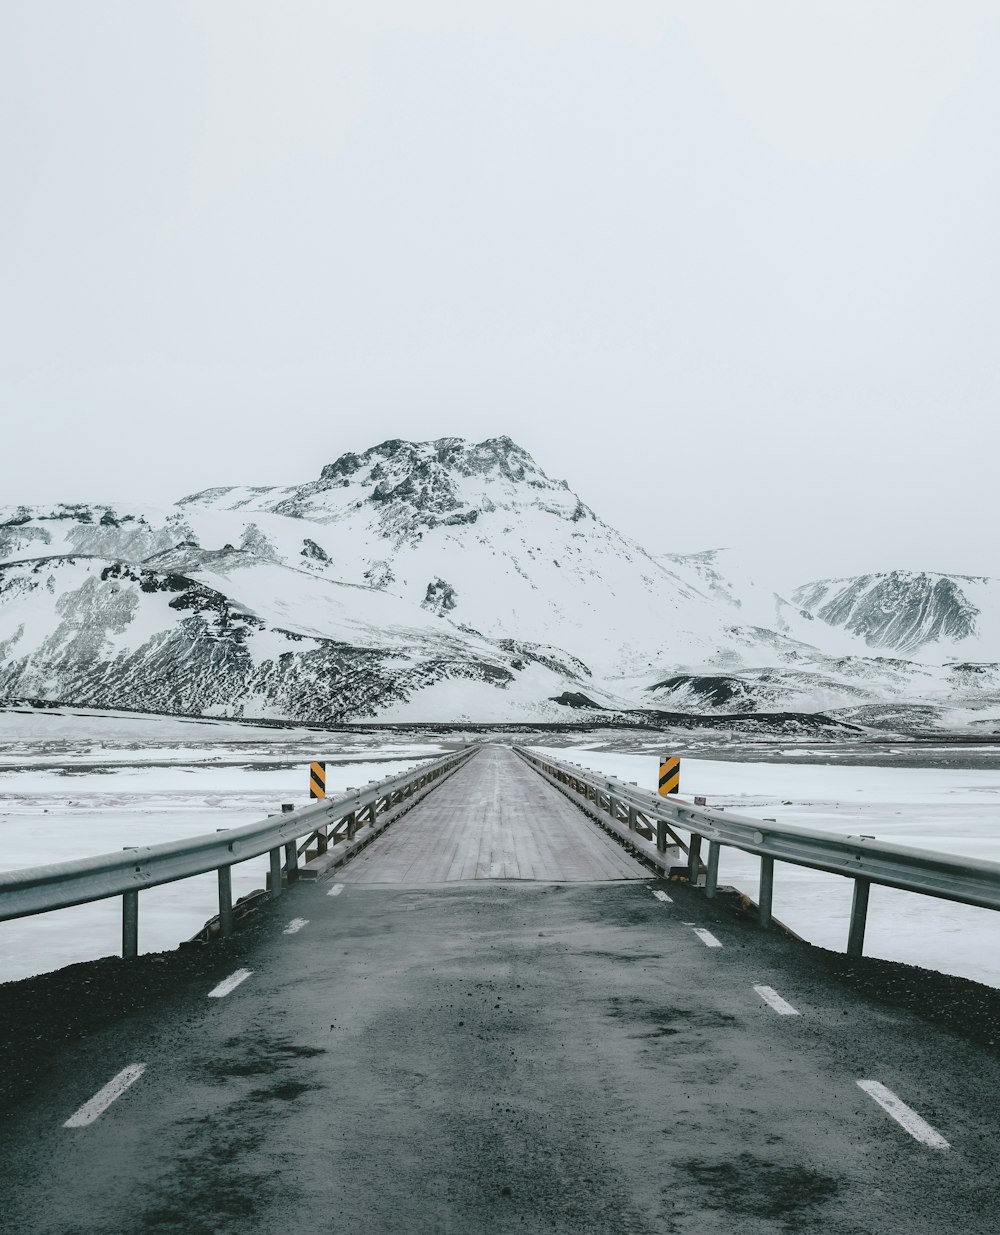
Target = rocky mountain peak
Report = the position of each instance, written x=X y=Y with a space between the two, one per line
x=398 y=459
x=418 y=485
x=409 y=487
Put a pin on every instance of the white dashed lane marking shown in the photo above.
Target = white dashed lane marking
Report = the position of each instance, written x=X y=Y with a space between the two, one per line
x=101 y=1100
x=707 y=938
x=230 y=983
x=295 y=926
x=336 y=889
x=907 y=1118
x=662 y=896
x=771 y=996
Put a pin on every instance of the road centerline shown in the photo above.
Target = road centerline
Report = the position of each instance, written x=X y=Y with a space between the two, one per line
x=707 y=938
x=295 y=926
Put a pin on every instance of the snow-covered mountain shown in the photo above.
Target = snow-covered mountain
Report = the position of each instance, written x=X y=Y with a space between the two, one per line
x=905 y=611
x=448 y=580
x=755 y=601
x=480 y=534
x=254 y=640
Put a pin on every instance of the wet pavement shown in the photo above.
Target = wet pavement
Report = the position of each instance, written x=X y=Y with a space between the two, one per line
x=495 y=1056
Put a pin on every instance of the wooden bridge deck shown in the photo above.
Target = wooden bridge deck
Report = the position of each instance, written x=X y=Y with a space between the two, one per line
x=494 y=819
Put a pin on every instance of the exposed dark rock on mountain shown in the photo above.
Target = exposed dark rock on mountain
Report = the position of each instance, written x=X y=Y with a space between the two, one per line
x=203 y=653
x=311 y=550
x=716 y=691
x=440 y=597
x=576 y=699
x=552 y=658
x=899 y=610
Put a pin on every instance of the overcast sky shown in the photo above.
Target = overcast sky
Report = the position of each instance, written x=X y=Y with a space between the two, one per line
x=731 y=269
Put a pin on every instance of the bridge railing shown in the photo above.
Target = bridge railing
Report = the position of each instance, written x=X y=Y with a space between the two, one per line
x=343 y=818
x=646 y=820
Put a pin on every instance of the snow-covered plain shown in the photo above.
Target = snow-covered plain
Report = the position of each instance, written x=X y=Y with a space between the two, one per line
x=73 y=786
x=76 y=782
x=946 y=810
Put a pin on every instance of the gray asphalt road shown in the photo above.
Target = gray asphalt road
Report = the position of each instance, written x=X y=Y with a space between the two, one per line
x=508 y=1057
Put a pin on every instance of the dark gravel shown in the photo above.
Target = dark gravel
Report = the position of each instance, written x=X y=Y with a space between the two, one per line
x=966 y=1008
x=40 y=1015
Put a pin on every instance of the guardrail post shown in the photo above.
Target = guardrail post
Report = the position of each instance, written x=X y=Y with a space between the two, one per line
x=225 y=901
x=694 y=857
x=292 y=861
x=859 y=917
x=352 y=825
x=130 y=925
x=276 y=871
x=130 y=919
x=712 y=880
x=632 y=814
x=766 y=891
x=661 y=836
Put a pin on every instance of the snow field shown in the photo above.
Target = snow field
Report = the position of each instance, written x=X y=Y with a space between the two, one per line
x=46 y=816
x=944 y=810
x=106 y=794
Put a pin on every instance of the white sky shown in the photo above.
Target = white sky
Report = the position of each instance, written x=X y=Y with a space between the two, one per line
x=730 y=268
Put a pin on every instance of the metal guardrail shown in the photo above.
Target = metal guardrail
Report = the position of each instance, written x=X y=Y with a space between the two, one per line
x=632 y=811
x=40 y=889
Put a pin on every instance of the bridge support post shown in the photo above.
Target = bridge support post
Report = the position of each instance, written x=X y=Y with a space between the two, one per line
x=859 y=917
x=275 y=856
x=130 y=925
x=694 y=858
x=712 y=880
x=766 y=893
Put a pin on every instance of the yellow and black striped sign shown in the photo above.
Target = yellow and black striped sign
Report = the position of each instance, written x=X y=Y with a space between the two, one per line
x=317 y=780
x=670 y=775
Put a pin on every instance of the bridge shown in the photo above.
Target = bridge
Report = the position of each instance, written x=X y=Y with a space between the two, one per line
x=490 y=995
